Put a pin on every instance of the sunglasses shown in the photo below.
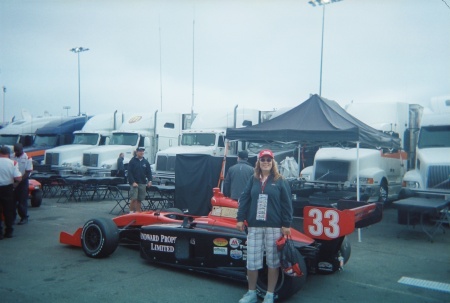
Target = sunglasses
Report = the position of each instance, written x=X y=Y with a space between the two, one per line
x=265 y=160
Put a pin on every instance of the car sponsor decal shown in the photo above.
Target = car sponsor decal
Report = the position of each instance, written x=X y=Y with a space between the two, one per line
x=221 y=251
x=236 y=254
x=160 y=243
x=220 y=242
x=234 y=242
x=325 y=266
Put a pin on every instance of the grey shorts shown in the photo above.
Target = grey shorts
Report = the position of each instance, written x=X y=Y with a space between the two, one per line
x=262 y=239
x=138 y=193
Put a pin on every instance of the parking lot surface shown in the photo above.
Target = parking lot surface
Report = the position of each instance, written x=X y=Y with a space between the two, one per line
x=35 y=267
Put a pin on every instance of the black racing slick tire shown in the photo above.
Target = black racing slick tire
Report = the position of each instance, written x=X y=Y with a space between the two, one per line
x=36 y=198
x=345 y=250
x=286 y=286
x=99 y=237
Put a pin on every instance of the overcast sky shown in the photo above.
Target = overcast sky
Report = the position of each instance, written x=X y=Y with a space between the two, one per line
x=148 y=55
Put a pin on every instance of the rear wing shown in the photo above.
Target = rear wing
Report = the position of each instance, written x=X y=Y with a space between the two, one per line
x=327 y=223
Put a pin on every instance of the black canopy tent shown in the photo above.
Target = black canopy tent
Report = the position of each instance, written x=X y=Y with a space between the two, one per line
x=316 y=120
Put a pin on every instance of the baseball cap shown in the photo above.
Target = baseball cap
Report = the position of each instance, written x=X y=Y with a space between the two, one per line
x=266 y=152
x=140 y=149
x=243 y=154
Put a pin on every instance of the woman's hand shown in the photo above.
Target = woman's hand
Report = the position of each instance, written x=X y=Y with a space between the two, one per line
x=240 y=226
x=286 y=231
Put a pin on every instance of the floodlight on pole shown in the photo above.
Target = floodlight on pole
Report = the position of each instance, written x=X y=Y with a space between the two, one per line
x=67 y=109
x=78 y=50
x=322 y=3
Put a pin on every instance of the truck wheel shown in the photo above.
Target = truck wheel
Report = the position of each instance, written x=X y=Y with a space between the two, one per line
x=286 y=285
x=36 y=198
x=99 y=237
x=384 y=191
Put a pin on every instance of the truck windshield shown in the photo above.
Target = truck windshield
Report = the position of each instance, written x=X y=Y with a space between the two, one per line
x=89 y=139
x=434 y=136
x=9 y=139
x=45 y=140
x=124 y=139
x=198 y=139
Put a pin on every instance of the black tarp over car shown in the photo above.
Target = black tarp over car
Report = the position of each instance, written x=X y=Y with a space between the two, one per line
x=316 y=120
x=196 y=176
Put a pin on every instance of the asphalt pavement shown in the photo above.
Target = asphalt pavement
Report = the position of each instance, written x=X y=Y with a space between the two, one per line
x=35 y=267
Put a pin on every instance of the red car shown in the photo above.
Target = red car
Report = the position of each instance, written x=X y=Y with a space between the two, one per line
x=212 y=244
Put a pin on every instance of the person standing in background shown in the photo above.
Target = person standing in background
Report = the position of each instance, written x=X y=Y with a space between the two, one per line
x=121 y=167
x=21 y=191
x=237 y=176
x=139 y=177
x=9 y=175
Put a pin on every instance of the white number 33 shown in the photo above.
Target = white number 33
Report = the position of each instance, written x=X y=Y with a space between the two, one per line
x=324 y=223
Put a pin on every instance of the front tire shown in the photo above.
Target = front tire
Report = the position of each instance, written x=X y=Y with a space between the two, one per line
x=286 y=285
x=99 y=237
x=36 y=198
x=383 y=196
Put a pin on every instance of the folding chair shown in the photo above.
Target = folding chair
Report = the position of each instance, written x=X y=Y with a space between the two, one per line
x=117 y=194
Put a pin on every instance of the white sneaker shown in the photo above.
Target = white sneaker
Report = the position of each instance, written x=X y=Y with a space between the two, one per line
x=249 y=297
x=268 y=299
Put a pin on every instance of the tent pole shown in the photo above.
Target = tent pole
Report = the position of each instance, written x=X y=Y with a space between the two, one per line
x=299 y=159
x=357 y=172
x=357 y=183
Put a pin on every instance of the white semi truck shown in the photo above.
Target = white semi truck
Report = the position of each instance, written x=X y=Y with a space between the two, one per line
x=430 y=176
x=23 y=131
x=206 y=136
x=335 y=169
x=153 y=131
x=96 y=132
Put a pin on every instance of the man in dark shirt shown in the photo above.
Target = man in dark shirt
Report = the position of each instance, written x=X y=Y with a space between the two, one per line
x=139 y=177
x=237 y=176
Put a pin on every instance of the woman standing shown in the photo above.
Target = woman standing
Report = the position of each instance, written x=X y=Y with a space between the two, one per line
x=267 y=207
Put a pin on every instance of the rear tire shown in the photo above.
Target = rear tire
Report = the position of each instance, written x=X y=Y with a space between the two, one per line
x=345 y=250
x=99 y=237
x=286 y=285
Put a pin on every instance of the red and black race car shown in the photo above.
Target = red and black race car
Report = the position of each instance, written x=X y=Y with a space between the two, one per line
x=212 y=244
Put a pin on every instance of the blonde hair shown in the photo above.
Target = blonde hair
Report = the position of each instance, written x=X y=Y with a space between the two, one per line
x=273 y=171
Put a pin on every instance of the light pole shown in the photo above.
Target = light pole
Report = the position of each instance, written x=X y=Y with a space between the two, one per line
x=78 y=50
x=67 y=109
x=3 y=105
x=322 y=3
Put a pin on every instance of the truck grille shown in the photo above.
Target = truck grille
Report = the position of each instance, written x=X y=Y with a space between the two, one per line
x=90 y=160
x=165 y=163
x=52 y=158
x=331 y=171
x=439 y=177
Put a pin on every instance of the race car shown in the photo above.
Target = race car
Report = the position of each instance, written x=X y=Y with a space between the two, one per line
x=212 y=244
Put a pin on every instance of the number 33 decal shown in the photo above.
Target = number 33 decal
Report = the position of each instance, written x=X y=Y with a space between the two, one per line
x=324 y=223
